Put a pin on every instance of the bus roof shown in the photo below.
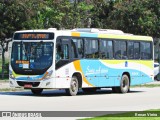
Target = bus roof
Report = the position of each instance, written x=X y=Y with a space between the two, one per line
x=107 y=33
x=93 y=32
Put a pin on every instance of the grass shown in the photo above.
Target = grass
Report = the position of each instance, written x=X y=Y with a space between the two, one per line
x=147 y=85
x=4 y=80
x=130 y=116
x=10 y=89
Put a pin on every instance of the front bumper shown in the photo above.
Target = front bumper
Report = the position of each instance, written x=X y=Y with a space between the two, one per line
x=34 y=84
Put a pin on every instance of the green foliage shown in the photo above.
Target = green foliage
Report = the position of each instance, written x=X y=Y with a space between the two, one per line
x=100 y=13
x=137 y=17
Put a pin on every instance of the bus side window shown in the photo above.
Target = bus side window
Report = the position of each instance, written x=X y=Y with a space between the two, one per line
x=77 y=48
x=91 y=48
x=130 y=50
x=120 y=50
x=146 y=51
x=117 y=49
x=124 y=50
x=136 y=50
x=106 y=49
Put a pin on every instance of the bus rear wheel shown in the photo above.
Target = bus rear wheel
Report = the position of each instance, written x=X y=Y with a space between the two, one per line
x=124 y=85
x=37 y=91
x=73 y=89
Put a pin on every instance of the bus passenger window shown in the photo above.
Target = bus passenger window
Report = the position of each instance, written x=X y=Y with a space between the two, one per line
x=91 y=48
x=136 y=50
x=106 y=49
x=130 y=50
x=77 y=48
x=124 y=49
x=120 y=50
x=146 y=50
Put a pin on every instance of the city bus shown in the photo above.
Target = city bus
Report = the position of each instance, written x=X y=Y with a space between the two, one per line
x=81 y=58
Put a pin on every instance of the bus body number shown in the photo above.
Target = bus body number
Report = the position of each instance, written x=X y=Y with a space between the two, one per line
x=135 y=74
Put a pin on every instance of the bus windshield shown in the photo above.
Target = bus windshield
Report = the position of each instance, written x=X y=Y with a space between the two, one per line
x=31 y=58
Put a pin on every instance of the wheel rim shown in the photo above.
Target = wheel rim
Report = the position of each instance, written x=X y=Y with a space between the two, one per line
x=125 y=84
x=74 y=86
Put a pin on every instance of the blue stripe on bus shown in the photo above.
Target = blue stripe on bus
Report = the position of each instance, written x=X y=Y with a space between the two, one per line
x=88 y=35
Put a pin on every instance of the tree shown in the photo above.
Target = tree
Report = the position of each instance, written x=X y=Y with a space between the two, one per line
x=12 y=18
x=66 y=14
x=100 y=12
x=5 y=29
x=134 y=16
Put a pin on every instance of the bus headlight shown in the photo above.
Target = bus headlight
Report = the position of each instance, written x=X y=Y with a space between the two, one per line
x=47 y=75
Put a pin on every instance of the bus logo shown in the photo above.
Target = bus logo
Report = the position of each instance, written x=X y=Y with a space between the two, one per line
x=126 y=64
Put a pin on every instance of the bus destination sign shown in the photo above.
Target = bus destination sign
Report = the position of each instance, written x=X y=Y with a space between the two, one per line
x=34 y=36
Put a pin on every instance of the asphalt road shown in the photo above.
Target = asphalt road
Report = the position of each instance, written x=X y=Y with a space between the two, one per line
x=104 y=100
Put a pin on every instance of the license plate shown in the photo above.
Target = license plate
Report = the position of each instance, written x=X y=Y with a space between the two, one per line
x=27 y=86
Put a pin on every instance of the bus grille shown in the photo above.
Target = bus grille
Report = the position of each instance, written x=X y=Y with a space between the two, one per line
x=34 y=84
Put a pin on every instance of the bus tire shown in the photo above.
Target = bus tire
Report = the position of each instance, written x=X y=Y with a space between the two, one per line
x=124 y=84
x=73 y=89
x=37 y=91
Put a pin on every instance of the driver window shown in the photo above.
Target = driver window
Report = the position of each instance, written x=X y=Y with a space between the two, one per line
x=62 y=52
x=65 y=51
x=59 y=52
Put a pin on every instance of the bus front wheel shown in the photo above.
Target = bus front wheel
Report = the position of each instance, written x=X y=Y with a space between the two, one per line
x=37 y=91
x=73 y=89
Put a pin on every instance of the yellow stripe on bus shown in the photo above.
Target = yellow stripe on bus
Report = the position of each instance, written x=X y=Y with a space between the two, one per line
x=128 y=37
x=78 y=68
x=76 y=34
x=112 y=36
x=147 y=63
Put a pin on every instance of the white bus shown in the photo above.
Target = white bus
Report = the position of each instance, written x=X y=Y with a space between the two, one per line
x=83 y=58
